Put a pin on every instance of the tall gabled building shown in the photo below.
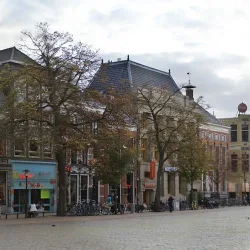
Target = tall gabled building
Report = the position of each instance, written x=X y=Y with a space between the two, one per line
x=17 y=156
x=239 y=147
x=124 y=75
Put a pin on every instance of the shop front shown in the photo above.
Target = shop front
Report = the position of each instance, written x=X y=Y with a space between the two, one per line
x=41 y=185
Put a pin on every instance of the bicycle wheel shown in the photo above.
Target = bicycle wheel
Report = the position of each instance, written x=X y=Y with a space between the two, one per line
x=105 y=211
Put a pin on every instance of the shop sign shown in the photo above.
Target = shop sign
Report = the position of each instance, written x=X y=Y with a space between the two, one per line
x=150 y=185
x=40 y=175
x=170 y=169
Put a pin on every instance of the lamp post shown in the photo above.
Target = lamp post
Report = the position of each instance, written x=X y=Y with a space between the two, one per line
x=26 y=172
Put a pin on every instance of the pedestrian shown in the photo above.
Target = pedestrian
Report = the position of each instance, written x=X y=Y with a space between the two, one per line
x=170 y=203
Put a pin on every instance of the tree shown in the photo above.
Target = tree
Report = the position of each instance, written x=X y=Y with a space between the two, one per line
x=193 y=160
x=113 y=159
x=46 y=99
x=165 y=114
x=245 y=171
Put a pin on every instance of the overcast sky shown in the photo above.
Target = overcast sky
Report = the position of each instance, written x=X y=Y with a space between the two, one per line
x=210 y=39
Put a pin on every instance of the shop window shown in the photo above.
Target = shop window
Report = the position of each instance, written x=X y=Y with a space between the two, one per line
x=73 y=188
x=33 y=149
x=130 y=187
x=94 y=190
x=112 y=192
x=234 y=162
x=234 y=133
x=19 y=200
x=244 y=132
x=84 y=187
x=2 y=188
x=19 y=148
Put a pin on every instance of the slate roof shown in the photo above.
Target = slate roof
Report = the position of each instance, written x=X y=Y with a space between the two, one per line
x=14 y=55
x=125 y=74
x=210 y=118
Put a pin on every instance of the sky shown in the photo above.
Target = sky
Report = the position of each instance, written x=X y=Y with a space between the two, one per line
x=209 y=39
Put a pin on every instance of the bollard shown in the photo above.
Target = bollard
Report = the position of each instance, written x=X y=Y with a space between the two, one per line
x=132 y=207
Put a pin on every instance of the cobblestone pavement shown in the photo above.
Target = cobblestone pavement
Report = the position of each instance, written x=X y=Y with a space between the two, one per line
x=227 y=228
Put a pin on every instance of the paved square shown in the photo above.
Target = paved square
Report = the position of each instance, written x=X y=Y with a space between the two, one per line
x=227 y=228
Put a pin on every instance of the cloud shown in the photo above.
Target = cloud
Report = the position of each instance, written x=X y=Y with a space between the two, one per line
x=180 y=19
x=198 y=36
x=114 y=16
x=222 y=94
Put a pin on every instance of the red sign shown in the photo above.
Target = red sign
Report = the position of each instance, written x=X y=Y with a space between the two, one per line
x=152 y=173
x=67 y=168
x=22 y=176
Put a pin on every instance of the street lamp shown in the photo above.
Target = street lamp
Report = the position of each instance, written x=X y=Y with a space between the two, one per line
x=26 y=172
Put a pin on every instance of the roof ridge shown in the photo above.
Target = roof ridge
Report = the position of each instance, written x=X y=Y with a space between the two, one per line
x=12 y=53
x=139 y=65
x=150 y=68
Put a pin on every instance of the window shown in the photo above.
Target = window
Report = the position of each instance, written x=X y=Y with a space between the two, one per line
x=90 y=154
x=132 y=142
x=73 y=188
x=244 y=132
x=223 y=138
x=223 y=156
x=211 y=150
x=203 y=134
x=217 y=155
x=233 y=133
x=245 y=162
x=85 y=157
x=144 y=148
x=94 y=128
x=73 y=157
x=2 y=188
x=19 y=148
x=210 y=136
x=47 y=150
x=234 y=162
x=146 y=174
x=217 y=137
x=33 y=149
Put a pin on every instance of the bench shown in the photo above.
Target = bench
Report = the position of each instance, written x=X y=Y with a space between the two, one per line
x=17 y=214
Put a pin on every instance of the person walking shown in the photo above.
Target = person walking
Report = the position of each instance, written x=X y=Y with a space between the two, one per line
x=171 y=203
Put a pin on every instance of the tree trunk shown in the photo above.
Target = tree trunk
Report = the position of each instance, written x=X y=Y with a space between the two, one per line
x=61 y=209
x=217 y=182
x=158 y=189
x=115 y=199
x=191 y=193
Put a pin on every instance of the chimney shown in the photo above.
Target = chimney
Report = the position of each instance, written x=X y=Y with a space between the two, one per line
x=190 y=93
x=189 y=88
x=169 y=72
